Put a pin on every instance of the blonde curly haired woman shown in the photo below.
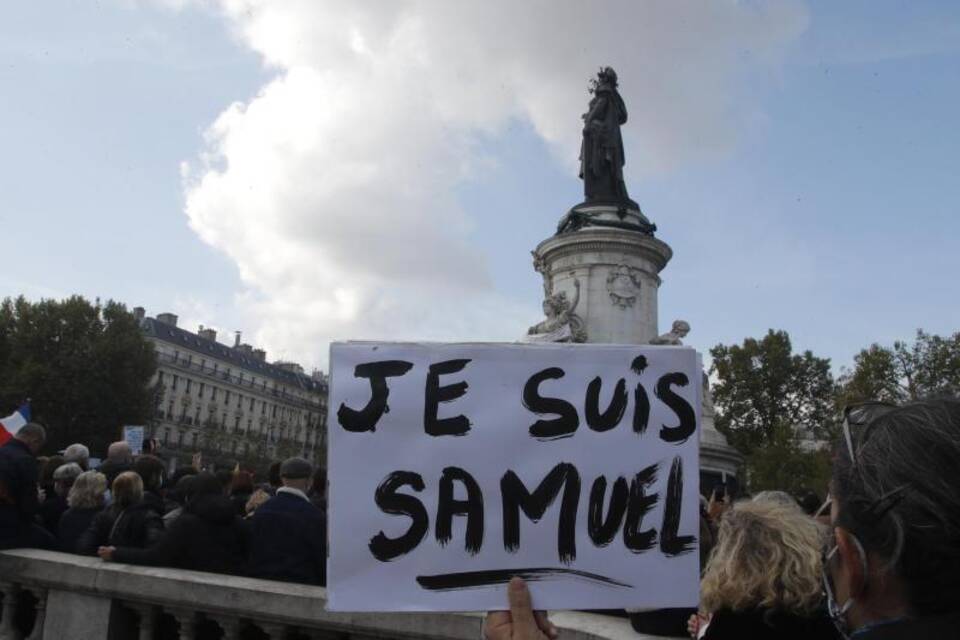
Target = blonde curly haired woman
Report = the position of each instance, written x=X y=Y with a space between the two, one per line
x=763 y=579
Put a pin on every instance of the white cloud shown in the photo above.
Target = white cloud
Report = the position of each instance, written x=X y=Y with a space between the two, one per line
x=333 y=189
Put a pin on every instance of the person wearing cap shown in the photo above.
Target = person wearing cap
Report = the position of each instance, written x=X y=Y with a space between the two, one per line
x=289 y=533
x=56 y=504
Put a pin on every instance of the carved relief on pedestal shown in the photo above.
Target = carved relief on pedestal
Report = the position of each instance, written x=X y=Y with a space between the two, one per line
x=623 y=285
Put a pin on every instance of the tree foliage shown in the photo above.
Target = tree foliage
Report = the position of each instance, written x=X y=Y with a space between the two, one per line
x=782 y=463
x=763 y=386
x=86 y=368
x=929 y=366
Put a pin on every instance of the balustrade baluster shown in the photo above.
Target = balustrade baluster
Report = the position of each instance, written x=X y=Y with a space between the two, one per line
x=186 y=623
x=41 y=609
x=11 y=593
x=230 y=625
x=274 y=630
x=148 y=614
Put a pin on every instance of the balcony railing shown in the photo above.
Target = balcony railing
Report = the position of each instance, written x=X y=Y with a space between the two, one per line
x=83 y=597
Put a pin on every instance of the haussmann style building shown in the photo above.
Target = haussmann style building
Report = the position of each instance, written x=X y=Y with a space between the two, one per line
x=228 y=402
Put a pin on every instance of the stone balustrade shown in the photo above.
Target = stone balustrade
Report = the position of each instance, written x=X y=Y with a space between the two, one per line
x=80 y=597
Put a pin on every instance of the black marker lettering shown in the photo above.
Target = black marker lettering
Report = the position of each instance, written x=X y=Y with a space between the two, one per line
x=386 y=549
x=638 y=505
x=614 y=413
x=688 y=420
x=602 y=530
x=672 y=544
x=472 y=507
x=515 y=497
x=366 y=419
x=560 y=427
x=435 y=394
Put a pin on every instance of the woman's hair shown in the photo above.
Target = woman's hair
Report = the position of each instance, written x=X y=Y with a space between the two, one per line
x=127 y=489
x=901 y=499
x=242 y=482
x=766 y=555
x=778 y=497
x=257 y=498
x=87 y=491
x=47 y=468
x=151 y=470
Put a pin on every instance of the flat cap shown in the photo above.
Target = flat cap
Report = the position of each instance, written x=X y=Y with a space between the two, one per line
x=295 y=468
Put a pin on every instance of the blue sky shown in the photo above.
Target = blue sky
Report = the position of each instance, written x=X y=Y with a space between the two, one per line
x=808 y=183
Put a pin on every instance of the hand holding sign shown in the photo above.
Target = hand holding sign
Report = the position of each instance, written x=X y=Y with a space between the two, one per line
x=457 y=467
x=521 y=622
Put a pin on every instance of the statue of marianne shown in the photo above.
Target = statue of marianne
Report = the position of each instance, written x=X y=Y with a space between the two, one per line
x=601 y=154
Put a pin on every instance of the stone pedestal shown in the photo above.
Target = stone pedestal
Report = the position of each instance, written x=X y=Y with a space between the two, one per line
x=618 y=275
x=611 y=270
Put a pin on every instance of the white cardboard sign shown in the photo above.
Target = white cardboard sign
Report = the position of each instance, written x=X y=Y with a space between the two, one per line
x=134 y=437
x=453 y=467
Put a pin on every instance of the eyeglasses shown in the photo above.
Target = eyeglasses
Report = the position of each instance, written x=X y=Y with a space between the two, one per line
x=859 y=417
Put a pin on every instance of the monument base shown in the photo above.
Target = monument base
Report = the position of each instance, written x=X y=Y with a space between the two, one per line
x=617 y=271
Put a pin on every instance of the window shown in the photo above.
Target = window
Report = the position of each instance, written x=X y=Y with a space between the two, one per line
x=216 y=366
x=190 y=439
x=251 y=404
x=203 y=364
x=166 y=436
x=226 y=397
x=213 y=394
x=196 y=415
x=239 y=400
x=223 y=421
x=176 y=379
x=236 y=423
x=249 y=425
x=160 y=377
x=189 y=382
x=274 y=411
x=179 y=438
x=200 y=391
x=263 y=408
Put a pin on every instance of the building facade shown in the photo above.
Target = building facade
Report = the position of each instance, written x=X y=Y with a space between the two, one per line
x=229 y=403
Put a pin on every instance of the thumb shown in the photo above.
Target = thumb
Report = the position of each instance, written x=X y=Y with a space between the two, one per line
x=521 y=609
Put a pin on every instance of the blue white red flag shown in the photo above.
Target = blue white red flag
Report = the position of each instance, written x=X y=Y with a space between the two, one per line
x=10 y=425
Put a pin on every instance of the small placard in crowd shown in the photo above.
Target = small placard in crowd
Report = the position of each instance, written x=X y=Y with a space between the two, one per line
x=453 y=467
x=134 y=437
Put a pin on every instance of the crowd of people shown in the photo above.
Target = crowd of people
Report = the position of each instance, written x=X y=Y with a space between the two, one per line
x=878 y=560
x=128 y=510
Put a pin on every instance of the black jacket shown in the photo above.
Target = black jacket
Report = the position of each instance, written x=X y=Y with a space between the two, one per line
x=18 y=481
x=136 y=526
x=73 y=523
x=50 y=511
x=208 y=536
x=289 y=541
x=933 y=628
x=764 y=624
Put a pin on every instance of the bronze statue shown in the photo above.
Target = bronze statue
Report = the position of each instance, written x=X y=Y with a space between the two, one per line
x=601 y=154
x=601 y=165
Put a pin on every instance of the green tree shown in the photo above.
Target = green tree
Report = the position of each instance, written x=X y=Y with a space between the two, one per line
x=762 y=385
x=783 y=463
x=86 y=368
x=928 y=366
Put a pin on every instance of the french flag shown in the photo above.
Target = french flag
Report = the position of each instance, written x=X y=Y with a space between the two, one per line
x=13 y=422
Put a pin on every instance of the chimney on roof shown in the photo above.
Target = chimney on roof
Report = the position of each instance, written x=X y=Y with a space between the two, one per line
x=167 y=318
x=139 y=313
x=236 y=339
x=208 y=333
x=260 y=354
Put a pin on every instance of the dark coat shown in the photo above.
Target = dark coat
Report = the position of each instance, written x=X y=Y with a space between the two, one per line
x=73 y=523
x=208 y=536
x=50 y=511
x=18 y=480
x=136 y=526
x=932 y=628
x=289 y=541
x=764 y=624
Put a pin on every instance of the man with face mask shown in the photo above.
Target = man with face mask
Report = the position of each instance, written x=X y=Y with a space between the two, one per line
x=892 y=565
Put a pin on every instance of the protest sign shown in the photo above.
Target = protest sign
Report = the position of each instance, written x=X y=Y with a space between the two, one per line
x=453 y=467
x=134 y=437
